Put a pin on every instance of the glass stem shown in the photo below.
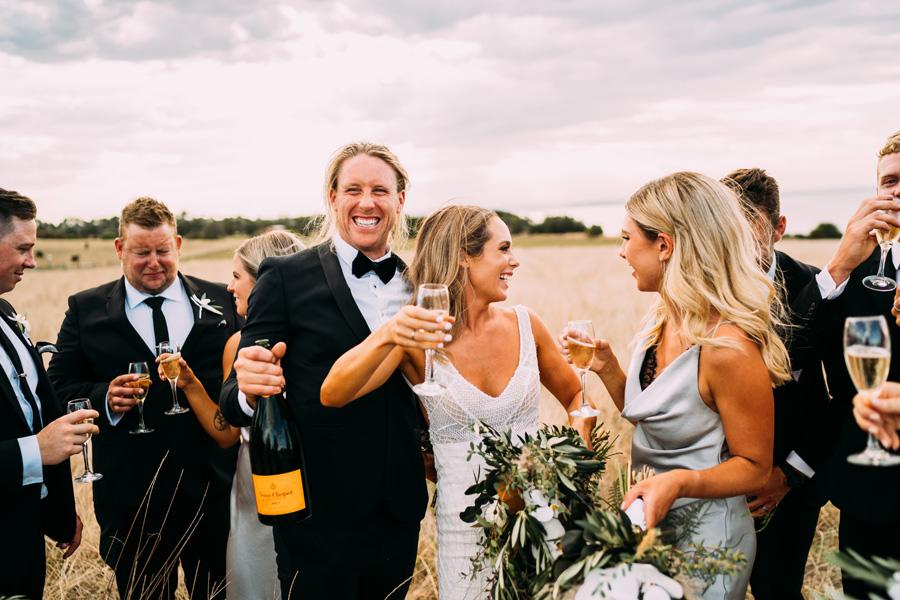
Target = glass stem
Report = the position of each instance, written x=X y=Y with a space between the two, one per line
x=884 y=253
x=584 y=401
x=174 y=387
x=87 y=462
x=872 y=445
x=429 y=366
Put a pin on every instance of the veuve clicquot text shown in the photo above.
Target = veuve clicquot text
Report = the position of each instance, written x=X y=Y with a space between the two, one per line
x=276 y=462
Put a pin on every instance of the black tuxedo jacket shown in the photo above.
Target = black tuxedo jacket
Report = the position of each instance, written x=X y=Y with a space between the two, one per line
x=797 y=400
x=27 y=518
x=867 y=493
x=362 y=460
x=96 y=342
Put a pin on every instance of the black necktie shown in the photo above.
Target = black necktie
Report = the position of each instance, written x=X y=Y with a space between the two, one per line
x=160 y=328
x=23 y=383
x=385 y=269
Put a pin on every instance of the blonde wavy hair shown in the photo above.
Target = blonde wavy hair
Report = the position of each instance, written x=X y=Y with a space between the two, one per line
x=272 y=243
x=327 y=226
x=713 y=273
x=891 y=146
x=444 y=237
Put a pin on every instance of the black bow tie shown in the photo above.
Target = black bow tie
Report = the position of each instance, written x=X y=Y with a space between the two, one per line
x=385 y=269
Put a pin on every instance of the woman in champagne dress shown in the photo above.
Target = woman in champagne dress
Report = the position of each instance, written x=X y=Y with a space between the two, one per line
x=250 y=555
x=699 y=385
x=494 y=362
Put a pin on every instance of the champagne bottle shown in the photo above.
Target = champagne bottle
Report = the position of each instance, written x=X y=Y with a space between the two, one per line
x=276 y=462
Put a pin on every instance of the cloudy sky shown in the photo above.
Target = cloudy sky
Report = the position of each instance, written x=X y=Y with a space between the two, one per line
x=534 y=106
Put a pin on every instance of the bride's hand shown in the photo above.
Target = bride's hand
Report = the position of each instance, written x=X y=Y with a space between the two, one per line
x=658 y=493
x=603 y=354
x=415 y=327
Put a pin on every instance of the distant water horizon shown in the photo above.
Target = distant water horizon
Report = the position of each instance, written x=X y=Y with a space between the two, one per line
x=803 y=209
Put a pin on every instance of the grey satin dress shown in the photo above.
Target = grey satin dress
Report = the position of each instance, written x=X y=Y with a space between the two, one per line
x=674 y=429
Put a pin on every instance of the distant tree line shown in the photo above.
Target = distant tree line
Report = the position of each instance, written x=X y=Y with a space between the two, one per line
x=205 y=228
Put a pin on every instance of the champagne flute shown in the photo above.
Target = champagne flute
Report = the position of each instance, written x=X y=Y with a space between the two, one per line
x=580 y=342
x=867 y=351
x=433 y=296
x=886 y=239
x=88 y=475
x=172 y=369
x=141 y=388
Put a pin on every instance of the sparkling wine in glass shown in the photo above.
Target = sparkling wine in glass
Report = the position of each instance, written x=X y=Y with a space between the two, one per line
x=886 y=239
x=436 y=297
x=171 y=369
x=580 y=343
x=141 y=387
x=88 y=475
x=867 y=351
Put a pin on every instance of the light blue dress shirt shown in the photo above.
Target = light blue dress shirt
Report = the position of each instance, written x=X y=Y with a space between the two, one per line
x=32 y=467
x=179 y=320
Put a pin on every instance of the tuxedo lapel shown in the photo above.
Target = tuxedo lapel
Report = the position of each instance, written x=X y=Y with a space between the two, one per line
x=202 y=321
x=115 y=309
x=341 y=291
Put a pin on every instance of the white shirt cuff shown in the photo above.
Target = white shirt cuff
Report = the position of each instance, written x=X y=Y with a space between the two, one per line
x=242 y=402
x=112 y=417
x=828 y=289
x=798 y=463
x=32 y=468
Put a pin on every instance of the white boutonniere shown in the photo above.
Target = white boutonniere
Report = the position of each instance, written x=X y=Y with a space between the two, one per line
x=205 y=303
x=22 y=323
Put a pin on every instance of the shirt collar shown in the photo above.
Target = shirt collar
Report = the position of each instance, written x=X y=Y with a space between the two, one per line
x=133 y=296
x=347 y=253
x=772 y=266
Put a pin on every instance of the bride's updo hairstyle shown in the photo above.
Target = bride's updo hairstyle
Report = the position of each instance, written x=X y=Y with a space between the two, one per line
x=713 y=273
x=444 y=238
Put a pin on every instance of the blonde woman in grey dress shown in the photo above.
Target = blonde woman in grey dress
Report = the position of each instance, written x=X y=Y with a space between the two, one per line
x=699 y=385
x=250 y=555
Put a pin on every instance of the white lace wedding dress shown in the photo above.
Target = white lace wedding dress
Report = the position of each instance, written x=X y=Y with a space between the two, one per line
x=451 y=416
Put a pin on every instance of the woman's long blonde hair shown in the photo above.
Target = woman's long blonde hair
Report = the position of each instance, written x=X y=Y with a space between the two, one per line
x=446 y=237
x=278 y=242
x=713 y=272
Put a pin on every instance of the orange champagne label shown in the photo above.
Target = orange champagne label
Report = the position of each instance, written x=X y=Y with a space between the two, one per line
x=279 y=494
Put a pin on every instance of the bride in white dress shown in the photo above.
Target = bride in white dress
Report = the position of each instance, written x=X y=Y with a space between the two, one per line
x=494 y=360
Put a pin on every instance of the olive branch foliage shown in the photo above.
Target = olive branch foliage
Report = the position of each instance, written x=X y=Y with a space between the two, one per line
x=554 y=464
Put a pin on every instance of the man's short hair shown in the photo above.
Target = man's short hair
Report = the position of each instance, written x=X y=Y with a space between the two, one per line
x=147 y=213
x=14 y=204
x=891 y=146
x=758 y=189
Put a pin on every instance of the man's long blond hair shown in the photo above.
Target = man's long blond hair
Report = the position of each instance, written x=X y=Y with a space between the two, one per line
x=327 y=226
x=712 y=275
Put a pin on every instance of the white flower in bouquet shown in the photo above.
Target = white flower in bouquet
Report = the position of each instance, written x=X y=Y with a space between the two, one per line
x=893 y=588
x=548 y=514
x=629 y=582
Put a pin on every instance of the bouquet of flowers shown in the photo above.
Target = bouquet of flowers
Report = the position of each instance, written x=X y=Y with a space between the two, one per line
x=880 y=572
x=548 y=533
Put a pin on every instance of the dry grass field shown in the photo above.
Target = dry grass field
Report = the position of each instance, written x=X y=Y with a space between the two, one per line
x=561 y=283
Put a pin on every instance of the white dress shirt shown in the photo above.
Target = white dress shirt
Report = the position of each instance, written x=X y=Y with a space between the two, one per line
x=32 y=467
x=179 y=320
x=376 y=300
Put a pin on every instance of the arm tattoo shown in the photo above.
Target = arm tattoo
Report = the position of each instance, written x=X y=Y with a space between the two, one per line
x=219 y=421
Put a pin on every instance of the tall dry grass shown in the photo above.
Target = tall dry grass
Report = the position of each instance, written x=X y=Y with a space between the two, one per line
x=559 y=283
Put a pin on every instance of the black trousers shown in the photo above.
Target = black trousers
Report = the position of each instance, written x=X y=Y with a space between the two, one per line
x=23 y=567
x=782 y=547
x=869 y=538
x=145 y=546
x=371 y=560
